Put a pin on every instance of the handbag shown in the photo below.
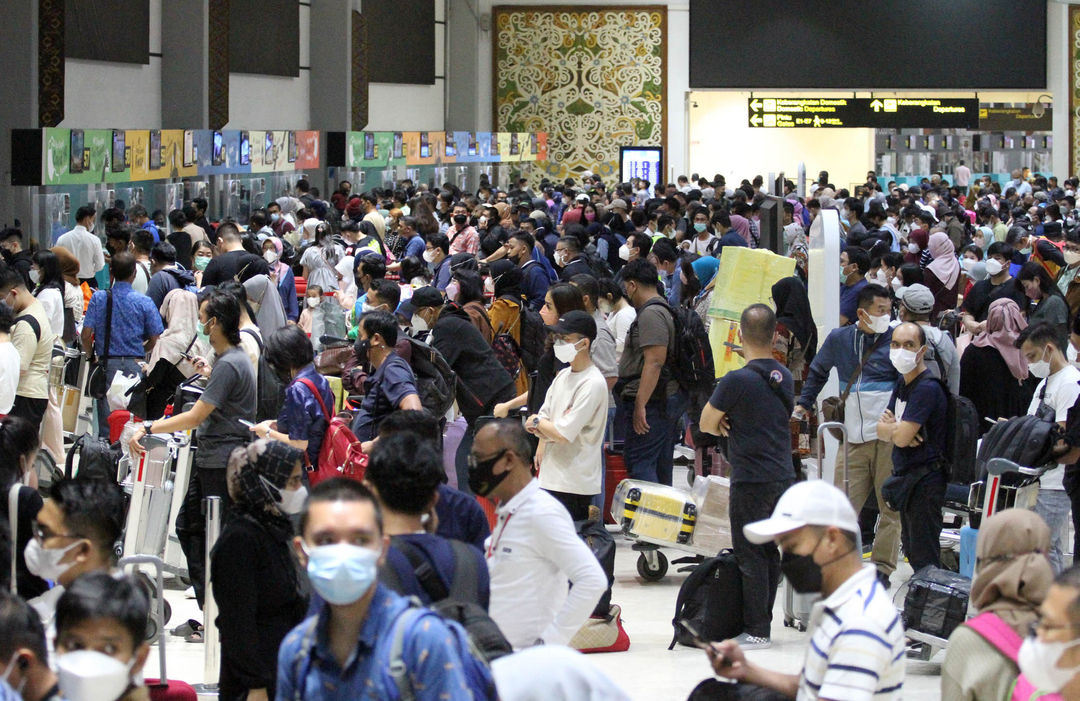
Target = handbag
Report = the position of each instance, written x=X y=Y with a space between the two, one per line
x=602 y=633
x=832 y=408
x=96 y=385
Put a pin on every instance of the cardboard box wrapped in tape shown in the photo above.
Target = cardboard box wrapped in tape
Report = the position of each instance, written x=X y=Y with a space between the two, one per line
x=654 y=511
x=712 y=531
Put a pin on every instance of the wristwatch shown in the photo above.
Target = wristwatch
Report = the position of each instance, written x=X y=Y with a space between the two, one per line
x=147 y=425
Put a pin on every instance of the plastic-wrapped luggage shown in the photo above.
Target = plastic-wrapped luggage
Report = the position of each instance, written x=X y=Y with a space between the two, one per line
x=654 y=511
x=936 y=601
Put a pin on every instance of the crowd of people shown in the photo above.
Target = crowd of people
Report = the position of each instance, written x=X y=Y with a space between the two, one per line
x=488 y=344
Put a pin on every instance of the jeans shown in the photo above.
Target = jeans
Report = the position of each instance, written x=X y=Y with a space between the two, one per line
x=869 y=465
x=1053 y=505
x=758 y=564
x=191 y=523
x=921 y=522
x=649 y=457
x=128 y=366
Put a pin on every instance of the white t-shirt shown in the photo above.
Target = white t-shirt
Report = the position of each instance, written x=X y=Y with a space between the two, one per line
x=700 y=246
x=1062 y=390
x=577 y=404
x=9 y=375
x=619 y=322
x=53 y=303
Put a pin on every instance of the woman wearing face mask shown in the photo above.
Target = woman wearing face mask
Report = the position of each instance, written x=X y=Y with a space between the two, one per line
x=262 y=297
x=971 y=261
x=506 y=310
x=18 y=450
x=1012 y=576
x=320 y=260
x=48 y=287
x=918 y=241
x=282 y=276
x=942 y=275
x=74 y=298
x=256 y=583
x=1047 y=304
x=467 y=290
x=909 y=274
x=1068 y=281
x=993 y=354
x=168 y=365
x=201 y=255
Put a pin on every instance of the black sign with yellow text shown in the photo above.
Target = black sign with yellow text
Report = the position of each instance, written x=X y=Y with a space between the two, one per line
x=878 y=112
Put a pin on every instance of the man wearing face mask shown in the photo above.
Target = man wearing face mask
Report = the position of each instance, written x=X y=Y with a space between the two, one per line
x=24 y=655
x=15 y=255
x=856 y=648
x=463 y=236
x=533 y=549
x=570 y=259
x=75 y=532
x=914 y=423
x=392 y=385
x=84 y=243
x=1067 y=279
x=571 y=422
x=1049 y=657
x=100 y=631
x=999 y=284
x=1054 y=397
x=854 y=264
x=860 y=354
x=534 y=278
x=437 y=256
x=347 y=643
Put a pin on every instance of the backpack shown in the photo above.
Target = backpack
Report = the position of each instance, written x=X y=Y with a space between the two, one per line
x=710 y=598
x=692 y=365
x=436 y=382
x=533 y=337
x=269 y=390
x=1025 y=440
x=340 y=454
x=961 y=439
x=602 y=545
x=97 y=459
x=507 y=351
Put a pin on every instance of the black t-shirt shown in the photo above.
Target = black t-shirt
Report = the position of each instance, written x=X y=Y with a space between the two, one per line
x=983 y=293
x=759 y=445
x=922 y=402
x=229 y=265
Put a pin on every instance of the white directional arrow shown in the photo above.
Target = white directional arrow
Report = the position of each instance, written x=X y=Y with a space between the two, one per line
x=876 y=104
x=755 y=105
x=756 y=120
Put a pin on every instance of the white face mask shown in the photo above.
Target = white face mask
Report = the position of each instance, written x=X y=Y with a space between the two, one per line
x=882 y=278
x=292 y=500
x=913 y=248
x=1038 y=662
x=1072 y=356
x=313 y=302
x=35 y=276
x=878 y=324
x=903 y=360
x=993 y=267
x=45 y=562
x=1040 y=368
x=88 y=675
x=418 y=323
x=565 y=351
x=560 y=259
x=624 y=252
x=429 y=256
x=7 y=676
x=896 y=283
x=270 y=257
x=605 y=306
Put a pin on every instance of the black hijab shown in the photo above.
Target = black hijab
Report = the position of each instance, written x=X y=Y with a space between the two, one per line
x=507 y=277
x=793 y=311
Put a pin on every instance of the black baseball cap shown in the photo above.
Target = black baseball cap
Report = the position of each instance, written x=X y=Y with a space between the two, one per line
x=423 y=297
x=576 y=322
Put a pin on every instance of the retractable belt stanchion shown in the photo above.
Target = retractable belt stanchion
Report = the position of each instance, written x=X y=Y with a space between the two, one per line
x=210 y=632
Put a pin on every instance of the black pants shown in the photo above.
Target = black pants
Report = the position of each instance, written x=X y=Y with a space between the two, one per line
x=716 y=690
x=1071 y=482
x=33 y=410
x=759 y=564
x=920 y=522
x=576 y=504
x=191 y=523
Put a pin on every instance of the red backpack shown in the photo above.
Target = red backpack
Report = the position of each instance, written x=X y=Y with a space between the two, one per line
x=340 y=455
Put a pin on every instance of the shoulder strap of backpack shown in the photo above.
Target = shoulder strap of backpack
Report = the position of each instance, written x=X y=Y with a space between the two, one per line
x=32 y=323
x=255 y=336
x=13 y=526
x=398 y=671
x=318 y=397
x=777 y=390
x=69 y=463
x=466 y=581
x=424 y=570
x=303 y=655
x=998 y=633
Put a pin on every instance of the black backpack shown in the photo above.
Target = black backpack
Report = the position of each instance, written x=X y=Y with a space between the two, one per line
x=692 y=365
x=602 y=545
x=97 y=459
x=436 y=382
x=533 y=337
x=710 y=598
x=269 y=389
x=1026 y=440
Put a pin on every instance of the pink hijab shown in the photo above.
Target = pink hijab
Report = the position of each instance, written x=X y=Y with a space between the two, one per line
x=1004 y=322
x=278 y=268
x=741 y=227
x=944 y=266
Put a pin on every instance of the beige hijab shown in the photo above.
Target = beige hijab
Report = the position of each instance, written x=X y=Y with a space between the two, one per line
x=1012 y=572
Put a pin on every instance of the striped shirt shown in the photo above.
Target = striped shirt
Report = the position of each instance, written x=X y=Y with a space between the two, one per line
x=856 y=645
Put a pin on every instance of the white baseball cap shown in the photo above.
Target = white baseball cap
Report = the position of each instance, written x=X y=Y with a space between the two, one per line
x=810 y=503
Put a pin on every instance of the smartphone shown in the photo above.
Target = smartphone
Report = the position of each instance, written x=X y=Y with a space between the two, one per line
x=118 y=151
x=77 y=141
x=155 y=149
x=218 y=155
x=425 y=148
x=694 y=635
x=245 y=148
x=189 y=148
x=245 y=422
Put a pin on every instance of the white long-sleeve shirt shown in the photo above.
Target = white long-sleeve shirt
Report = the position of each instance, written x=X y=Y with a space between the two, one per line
x=533 y=553
x=86 y=246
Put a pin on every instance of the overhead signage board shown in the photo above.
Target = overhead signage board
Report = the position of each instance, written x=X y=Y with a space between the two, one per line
x=1015 y=118
x=847 y=112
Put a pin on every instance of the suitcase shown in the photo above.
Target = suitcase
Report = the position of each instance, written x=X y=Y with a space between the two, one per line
x=161 y=689
x=654 y=512
x=614 y=473
x=936 y=601
x=797 y=606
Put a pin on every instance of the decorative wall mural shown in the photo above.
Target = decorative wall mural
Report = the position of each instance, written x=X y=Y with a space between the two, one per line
x=593 y=78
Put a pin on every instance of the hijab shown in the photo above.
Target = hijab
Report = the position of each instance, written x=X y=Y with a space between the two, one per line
x=180 y=309
x=507 y=279
x=1004 y=322
x=259 y=472
x=506 y=221
x=1012 y=572
x=279 y=268
x=705 y=268
x=741 y=227
x=793 y=311
x=369 y=241
x=945 y=267
x=69 y=264
x=271 y=314
x=289 y=207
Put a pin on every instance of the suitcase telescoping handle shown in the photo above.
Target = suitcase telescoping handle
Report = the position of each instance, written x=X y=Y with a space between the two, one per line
x=995 y=468
x=838 y=425
x=159 y=612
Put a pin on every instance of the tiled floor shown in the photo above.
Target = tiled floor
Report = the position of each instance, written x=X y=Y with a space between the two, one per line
x=648 y=671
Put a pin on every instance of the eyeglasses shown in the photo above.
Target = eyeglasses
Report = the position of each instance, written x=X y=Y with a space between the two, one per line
x=41 y=534
x=1039 y=624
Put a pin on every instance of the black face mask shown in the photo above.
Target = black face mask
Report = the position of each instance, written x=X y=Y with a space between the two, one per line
x=801 y=570
x=460 y=219
x=482 y=480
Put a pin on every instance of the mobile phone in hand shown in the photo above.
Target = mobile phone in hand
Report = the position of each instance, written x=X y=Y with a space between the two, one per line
x=695 y=636
x=246 y=423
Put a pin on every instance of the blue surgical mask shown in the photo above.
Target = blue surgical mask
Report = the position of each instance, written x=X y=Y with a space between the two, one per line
x=700 y=226
x=204 y=335
x=342 y=573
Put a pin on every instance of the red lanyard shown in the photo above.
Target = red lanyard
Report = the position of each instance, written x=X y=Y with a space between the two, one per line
x=495 y=541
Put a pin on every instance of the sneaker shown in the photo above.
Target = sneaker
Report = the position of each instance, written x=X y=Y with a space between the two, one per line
x=752 y=642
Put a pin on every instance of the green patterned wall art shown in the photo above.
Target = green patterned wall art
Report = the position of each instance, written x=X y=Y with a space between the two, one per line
x=593 y=78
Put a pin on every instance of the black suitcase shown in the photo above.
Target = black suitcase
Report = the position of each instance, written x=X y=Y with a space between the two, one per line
x=936 y=601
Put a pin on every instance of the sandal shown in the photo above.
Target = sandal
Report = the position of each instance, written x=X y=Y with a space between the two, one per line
x=194 y=637
x=185 y=629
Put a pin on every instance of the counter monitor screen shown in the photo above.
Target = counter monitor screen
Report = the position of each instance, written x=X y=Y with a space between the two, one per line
x=292 y=147
x=77 y=141
x=155 y=149
x=118 y=151
x=189 y=148
x=369 y=146
x=399 y=145
x=268 y=148
x=219 y=149
x=425 y=148
x=245 y=148
x=644 y=162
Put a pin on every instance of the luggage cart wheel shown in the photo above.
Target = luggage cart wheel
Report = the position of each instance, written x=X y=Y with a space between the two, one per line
x=652 y=565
